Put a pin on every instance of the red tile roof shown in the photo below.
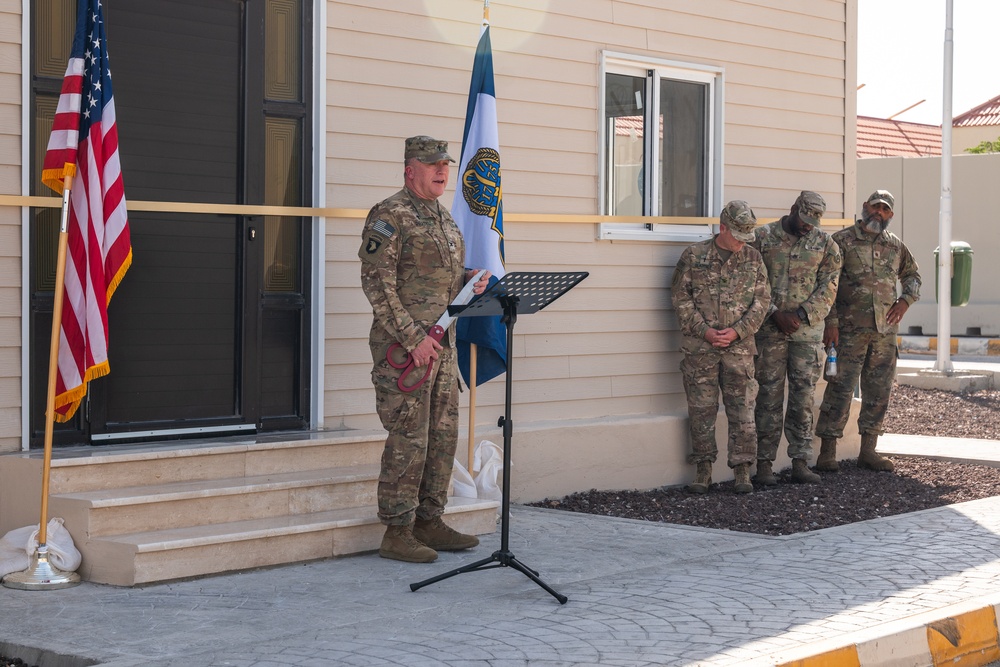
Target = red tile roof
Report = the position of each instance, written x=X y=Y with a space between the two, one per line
x=878 y=137
x=987 y=113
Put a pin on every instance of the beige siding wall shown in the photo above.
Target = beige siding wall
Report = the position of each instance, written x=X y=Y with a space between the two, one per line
x=609 y=348
x=10 y=228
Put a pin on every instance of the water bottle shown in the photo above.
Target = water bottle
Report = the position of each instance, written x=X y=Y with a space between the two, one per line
x=831 y=361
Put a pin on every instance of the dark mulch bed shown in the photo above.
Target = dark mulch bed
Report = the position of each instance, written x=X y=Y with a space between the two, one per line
x=851 y=495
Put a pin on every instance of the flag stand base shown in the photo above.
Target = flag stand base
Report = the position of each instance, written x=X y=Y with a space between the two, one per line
x=41 y=575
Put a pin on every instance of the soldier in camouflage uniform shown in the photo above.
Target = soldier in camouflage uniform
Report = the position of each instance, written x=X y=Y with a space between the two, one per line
x=412 y=266
x=720 y=293
x=863 y=324
x=803 y=267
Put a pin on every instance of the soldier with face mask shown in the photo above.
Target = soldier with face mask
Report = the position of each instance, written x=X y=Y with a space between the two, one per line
x=803 y=269
x=863 y=325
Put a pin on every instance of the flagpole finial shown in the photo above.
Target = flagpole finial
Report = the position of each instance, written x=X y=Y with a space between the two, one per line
x=486 y=13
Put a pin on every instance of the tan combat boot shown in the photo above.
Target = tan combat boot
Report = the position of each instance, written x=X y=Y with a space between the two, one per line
x=871 y=459
x=436 y=534
x=400 y=544
x=802 y=474
x=702 y=479
x=827 y=460
x=765 y=475
x=742 y=473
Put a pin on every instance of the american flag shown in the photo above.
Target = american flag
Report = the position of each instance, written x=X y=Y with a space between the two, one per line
x=83 y=147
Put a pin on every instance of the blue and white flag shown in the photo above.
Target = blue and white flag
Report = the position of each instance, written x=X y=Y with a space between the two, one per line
x=478 y=211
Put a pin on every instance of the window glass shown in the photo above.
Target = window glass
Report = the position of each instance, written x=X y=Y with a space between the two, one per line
x=282 y=187
x=682 y=139
x=283 y=51
x=623 y=112
x=659 y=153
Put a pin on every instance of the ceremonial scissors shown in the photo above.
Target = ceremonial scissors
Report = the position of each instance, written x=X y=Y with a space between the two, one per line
x=399 y=358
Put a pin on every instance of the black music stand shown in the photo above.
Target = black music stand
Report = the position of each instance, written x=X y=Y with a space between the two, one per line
x=525 y=293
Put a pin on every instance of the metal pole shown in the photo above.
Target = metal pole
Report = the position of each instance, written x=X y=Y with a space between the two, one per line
x=41 y=574
x=943 y=363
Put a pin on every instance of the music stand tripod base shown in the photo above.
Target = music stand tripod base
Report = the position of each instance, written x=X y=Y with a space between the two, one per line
x=529 y=293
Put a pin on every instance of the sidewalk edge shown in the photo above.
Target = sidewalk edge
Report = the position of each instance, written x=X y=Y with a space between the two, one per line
x=963 y=633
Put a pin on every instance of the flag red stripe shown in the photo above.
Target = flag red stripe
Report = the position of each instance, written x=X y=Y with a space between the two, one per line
x=84 y=144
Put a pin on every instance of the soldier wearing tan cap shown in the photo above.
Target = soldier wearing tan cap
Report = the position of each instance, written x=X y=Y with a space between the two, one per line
x=720 y=293
x=412 y=266
x=803 y=269
x=863 y=325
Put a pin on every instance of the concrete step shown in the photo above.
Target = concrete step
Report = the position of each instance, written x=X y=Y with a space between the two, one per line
x=202 y=502
x=177 y=553
x=162 y=511
x=95 y=468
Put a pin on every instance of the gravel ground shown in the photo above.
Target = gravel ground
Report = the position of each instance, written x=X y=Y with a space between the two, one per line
x=851 y=495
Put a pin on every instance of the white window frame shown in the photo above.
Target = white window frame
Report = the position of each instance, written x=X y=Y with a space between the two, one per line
x=654 y=69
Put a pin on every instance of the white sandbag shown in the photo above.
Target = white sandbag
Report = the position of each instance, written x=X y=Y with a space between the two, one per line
x=19 y=545
x=14 y=554
x=488 y=463
x=462 y=484
x=62 y=551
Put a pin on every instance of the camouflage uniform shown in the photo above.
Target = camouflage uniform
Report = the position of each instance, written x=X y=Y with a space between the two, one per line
x=803 y=273
x=872 y=266
x=708 y=292
x=412 y=266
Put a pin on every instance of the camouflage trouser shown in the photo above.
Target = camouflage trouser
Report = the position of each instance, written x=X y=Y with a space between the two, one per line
x=704 y=373
x=423 y=435
x=872 y=356
x=801 y=362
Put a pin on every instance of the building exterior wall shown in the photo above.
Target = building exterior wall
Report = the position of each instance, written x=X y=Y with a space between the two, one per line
x=916 y=183
x=609 y=349
x=10 y=227
x=970 y=137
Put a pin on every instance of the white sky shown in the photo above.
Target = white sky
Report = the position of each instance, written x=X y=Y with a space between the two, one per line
x=901 y=57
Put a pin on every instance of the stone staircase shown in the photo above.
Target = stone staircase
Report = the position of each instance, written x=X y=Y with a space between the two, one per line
x=142 y=514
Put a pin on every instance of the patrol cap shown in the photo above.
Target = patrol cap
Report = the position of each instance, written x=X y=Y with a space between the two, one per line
x=812 y=206
x=739 y=219
x=882 y=197
x=427 y=149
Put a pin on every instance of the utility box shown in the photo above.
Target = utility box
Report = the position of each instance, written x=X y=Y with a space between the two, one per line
x=961 y=273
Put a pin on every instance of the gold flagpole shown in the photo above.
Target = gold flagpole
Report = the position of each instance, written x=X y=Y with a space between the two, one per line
x=472 y=347
x=42 y=575
x=472 y=405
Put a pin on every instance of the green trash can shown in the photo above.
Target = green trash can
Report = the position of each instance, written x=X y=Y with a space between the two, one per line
x=961 y=273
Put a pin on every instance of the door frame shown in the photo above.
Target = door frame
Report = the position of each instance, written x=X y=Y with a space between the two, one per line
x=313 y=221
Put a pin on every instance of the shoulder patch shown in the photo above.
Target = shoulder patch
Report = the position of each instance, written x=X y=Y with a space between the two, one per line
x=384 y=228
x=375 y=239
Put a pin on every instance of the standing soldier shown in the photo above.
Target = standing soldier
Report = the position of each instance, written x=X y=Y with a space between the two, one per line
x=863 y=325
x=803 y=266
x=720 y=294
x=412 y=266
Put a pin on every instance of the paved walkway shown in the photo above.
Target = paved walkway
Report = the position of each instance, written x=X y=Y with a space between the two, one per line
x=639 y=594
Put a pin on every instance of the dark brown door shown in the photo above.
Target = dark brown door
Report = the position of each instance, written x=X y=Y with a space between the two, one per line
x=208 y=330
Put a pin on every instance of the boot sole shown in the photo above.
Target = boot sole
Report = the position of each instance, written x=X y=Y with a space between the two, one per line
x=869 y=466
x=452 y=547
x=800 y=480
x=392 y=555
